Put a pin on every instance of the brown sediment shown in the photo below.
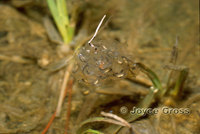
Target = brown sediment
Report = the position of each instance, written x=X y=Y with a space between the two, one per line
x=145 y=29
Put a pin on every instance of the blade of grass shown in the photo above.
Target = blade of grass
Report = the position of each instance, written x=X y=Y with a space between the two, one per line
x=180 y=82
x=89 y=131
x=81 y=128
x=59 y=12
x=61 y=6
x=153 y=77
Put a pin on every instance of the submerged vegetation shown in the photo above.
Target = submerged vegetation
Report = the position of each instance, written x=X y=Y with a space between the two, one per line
x=97 y=62
x=113 y=76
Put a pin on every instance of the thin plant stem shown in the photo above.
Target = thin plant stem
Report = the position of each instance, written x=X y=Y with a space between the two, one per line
x=97 y=29
x=49 y=123
x=65 y=81
x=180 y=82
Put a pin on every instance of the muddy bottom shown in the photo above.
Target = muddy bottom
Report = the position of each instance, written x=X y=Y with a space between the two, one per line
x=144 y=31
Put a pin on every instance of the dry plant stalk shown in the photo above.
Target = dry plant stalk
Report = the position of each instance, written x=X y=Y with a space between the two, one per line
x=62 y=91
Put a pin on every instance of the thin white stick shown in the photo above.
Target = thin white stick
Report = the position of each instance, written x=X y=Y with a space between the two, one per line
x=97 y=29
x=64 y=84
x=121 y=120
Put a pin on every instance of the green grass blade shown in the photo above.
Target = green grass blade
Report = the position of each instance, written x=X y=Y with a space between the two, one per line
x=59 y=12
x=91 y=131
